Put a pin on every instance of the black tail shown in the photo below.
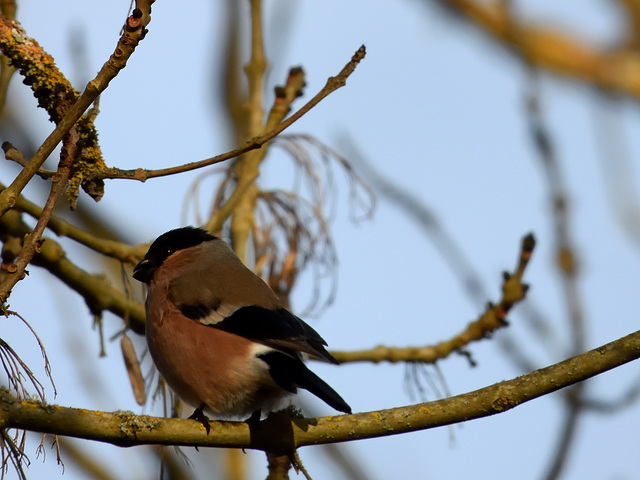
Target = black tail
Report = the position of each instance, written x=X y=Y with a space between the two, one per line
x=310 y=381
x=290 y=372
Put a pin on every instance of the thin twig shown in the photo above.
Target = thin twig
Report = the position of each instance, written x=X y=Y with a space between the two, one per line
x=333 y=83
x=15 y=155
x=32 y=242
x=494 y=317
x=85 y=460
x=15 y=454
x=62 y=228
x=96 y=290
x=43 y=351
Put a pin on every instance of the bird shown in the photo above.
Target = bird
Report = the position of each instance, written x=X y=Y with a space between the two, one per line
x=219 y=335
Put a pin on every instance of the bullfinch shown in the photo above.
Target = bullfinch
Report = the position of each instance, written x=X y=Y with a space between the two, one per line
x=219 y=335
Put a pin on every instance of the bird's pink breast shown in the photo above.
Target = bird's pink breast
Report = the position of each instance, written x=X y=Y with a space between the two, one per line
x=205 y=365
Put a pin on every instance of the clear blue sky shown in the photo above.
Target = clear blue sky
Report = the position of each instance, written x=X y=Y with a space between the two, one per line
x=434 y=107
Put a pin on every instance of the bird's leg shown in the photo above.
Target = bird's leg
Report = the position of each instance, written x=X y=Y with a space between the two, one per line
x=253 y=421
x=255 y=417
x=199 y=415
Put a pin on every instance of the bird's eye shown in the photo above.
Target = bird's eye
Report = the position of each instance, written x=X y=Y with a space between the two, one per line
x=167 y=251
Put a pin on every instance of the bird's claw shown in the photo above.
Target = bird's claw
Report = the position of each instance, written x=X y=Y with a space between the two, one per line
x=199 y=415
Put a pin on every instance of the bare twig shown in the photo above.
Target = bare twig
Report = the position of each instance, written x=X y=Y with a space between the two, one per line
x=513 y=291
x=247 y=180
x=12 y=453
x=15 y=155
x=84 y=460
x=33 y=240
x=45 y=357
x=333 y=83
x=96 y=290
x=62 y=228
x=14 y=367
x=454 y=256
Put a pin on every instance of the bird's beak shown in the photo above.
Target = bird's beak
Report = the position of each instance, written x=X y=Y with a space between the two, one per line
x=143 y=271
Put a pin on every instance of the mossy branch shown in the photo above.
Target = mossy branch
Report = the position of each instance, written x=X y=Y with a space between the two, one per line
x=15 y=44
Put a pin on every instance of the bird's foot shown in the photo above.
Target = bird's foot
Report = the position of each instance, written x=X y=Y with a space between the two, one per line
x=199 y=415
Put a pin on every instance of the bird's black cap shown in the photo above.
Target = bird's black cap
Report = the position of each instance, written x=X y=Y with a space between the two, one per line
x=165 y=245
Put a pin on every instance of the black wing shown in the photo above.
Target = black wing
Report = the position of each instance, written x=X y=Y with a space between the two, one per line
x=279 y=329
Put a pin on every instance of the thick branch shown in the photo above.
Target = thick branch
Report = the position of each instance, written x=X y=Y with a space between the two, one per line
x=281 y=434
x=247 y=169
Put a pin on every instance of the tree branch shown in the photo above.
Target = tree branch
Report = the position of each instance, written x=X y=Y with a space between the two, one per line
x=281 y=434
x=246 y=168
x=494 y=318
x=615 y=70
x=62 y=228
x=96 y=290
x=134 y=31
x=33 y=240
x=567 y=262
x=333 y=83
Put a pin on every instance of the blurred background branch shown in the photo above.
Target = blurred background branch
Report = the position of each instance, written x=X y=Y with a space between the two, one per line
x=442 y=141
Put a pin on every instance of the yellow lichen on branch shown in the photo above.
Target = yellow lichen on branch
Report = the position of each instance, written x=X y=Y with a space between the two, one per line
x=56 y=95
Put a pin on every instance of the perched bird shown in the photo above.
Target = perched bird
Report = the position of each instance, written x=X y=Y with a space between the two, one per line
x=219 y=335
